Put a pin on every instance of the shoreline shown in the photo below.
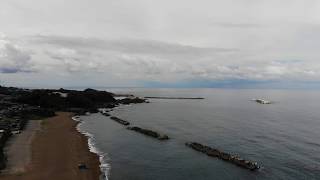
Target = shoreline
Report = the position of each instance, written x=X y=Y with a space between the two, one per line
x=104 y=166
x=53 y=156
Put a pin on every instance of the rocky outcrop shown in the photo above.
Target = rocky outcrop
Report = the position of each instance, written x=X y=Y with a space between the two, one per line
x=121 y=121
x=124 y=95
x=149 y=133
x=158 y=97
x=110 y=105
x=223 y=155
x=89 y=99
x=135 y=100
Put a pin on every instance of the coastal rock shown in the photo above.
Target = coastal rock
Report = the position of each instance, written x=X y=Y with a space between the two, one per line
x=149 y=133
x=135 y=100
x=110 y=105
x=163 y=137
x=105 y=113
x=89 y=99
x=223 y=155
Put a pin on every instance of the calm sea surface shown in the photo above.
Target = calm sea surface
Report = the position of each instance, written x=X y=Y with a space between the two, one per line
x=283 y=137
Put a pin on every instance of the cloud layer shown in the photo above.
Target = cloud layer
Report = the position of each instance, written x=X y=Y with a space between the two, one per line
x=125 y=43
x=138 y=61
x=13 y=59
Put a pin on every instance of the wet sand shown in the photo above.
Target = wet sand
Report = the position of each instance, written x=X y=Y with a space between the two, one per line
x=56 y=150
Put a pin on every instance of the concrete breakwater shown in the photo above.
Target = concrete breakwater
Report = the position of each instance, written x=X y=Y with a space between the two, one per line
x=155 y=97
x=121 y=121
x=223 y=155
x=148 y=132
x=105 y=114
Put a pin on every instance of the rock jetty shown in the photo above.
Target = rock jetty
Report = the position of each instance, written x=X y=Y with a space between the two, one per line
x=105 y=114
x=155 y=97
x=121 y=121
x=149 y=133
x=223 y=155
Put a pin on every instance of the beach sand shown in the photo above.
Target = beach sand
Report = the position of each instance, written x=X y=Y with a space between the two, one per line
x=56 y=150
x=18 y=148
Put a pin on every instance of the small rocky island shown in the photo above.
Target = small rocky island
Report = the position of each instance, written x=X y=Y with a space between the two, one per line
x=234 y=159
x=262 y=101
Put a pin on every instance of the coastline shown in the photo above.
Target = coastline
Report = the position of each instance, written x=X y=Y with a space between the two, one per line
x=104 y=166
x=57 y=150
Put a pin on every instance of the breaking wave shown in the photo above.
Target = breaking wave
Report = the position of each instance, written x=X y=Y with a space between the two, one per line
x=103 y=158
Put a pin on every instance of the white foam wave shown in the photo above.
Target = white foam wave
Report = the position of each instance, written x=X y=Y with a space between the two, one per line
x=103 y=158
x=76 y=118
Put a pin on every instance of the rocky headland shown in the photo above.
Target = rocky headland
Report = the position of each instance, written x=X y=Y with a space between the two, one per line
x=18 y=105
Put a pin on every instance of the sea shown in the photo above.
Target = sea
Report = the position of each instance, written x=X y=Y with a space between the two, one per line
x=283 y=137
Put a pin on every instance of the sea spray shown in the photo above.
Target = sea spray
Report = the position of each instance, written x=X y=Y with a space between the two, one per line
x=103 y=158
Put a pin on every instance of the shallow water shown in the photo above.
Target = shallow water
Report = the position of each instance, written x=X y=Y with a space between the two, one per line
x=283 y=137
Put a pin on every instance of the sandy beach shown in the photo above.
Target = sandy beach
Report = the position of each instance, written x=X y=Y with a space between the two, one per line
x=18 y=148
x=56 y=150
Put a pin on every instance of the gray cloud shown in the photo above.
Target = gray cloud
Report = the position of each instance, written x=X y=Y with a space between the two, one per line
x=126 y=58
x=135 y=46
x=13 y=59
x=139 y=59
x=9 y=70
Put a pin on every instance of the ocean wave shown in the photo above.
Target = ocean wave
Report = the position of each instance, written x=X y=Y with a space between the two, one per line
x=103 y=158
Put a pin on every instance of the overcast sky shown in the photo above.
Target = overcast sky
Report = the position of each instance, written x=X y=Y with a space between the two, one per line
x=148 y=42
